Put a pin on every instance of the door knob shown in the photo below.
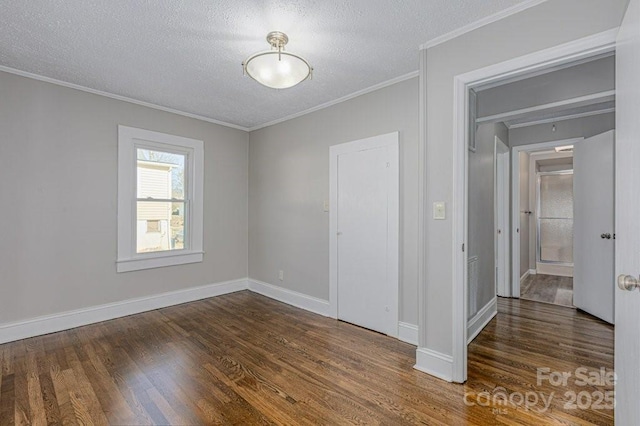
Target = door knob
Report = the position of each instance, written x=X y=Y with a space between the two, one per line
x=607 y=236
x=628 y=282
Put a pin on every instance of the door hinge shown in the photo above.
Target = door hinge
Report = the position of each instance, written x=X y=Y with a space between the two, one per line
x=463 y=247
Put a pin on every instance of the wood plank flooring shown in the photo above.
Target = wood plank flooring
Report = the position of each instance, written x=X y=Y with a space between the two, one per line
x=548 y=289
x=246 y=359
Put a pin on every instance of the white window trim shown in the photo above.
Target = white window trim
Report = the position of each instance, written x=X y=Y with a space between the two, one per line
x=127 y=258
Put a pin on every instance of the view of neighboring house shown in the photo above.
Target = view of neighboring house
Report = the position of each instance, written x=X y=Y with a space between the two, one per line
x=158 y=228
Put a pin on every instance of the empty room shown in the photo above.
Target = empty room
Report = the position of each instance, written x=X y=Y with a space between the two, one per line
x=273 y=212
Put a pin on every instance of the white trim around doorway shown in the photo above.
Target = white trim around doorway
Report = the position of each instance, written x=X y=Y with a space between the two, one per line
x=562 y=54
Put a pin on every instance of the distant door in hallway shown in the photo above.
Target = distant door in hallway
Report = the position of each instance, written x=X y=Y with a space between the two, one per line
x=502 y=205
x=593 y=283
x=366 y=221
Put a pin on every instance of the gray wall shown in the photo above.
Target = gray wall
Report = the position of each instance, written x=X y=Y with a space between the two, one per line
x=481 y=212
x=580 y=80
x=549 y=24
x=289 y=181
x=58 y=182
x=568 y=129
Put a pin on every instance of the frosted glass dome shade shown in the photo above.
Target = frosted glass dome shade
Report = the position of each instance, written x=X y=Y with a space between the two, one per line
x=278 y=70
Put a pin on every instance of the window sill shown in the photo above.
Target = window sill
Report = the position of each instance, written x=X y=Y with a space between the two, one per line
x=159 y=261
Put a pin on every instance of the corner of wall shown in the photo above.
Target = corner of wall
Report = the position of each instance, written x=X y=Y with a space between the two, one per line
x=434 y=363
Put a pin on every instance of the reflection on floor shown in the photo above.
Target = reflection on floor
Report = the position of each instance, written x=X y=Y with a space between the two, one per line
x=245 y=359
x=548 y=289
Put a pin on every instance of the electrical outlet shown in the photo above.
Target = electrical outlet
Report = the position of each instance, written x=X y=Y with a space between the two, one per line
x=281 y=275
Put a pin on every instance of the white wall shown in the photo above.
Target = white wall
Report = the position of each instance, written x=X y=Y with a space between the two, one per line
x=481 y=213
x=58 y=182
x=549 y=24
x=289 y=182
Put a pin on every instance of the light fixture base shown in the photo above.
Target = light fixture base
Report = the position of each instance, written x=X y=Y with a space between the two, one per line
x=277 y=39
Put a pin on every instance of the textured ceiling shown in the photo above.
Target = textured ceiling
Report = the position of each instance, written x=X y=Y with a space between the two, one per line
x=186 y=55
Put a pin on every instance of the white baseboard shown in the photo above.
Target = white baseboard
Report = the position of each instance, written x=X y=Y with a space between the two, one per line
x=408 y=333
x=10 y=332
x=558 y=270
x=526 y=274
x=435 y=363
x=481 y=319
x=79 y=317
x=290 y=297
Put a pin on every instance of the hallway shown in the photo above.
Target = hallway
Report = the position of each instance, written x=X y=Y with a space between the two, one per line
x=548 y=289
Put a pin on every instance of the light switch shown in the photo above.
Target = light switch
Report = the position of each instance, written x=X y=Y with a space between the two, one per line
x=326 y=206
x=439 y=211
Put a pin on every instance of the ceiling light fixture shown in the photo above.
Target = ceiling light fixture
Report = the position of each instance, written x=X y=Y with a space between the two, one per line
x=276 y=68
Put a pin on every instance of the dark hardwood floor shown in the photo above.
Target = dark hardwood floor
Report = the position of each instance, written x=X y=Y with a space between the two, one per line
x=246 y=359
x=548 y=289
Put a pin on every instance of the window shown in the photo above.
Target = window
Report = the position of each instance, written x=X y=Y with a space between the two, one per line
x=160 y=199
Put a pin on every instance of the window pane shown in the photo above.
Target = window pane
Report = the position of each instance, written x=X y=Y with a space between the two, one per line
x=160 y=174
x=160 y=226
x=177 y=226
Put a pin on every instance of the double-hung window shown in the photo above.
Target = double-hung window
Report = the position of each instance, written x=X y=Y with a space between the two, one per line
x=160 y=199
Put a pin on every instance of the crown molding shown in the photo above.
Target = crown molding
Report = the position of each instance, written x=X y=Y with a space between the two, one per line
x=118 y=97
x=481 y=23
x=370 y=89
x=373 y=88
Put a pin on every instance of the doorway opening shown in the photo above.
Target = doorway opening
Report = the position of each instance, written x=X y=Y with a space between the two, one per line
x=533 y=112
x=546 y=221
x=573 y=100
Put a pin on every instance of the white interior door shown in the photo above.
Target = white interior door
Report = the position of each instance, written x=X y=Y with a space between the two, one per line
x=367 y=234
x=627 y=312
x=502 y=218
x=593 y=225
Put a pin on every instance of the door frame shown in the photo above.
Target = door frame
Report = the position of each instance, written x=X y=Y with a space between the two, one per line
x=392 y=141
x=565 y=53
x=515 y=205
x=502 y=205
